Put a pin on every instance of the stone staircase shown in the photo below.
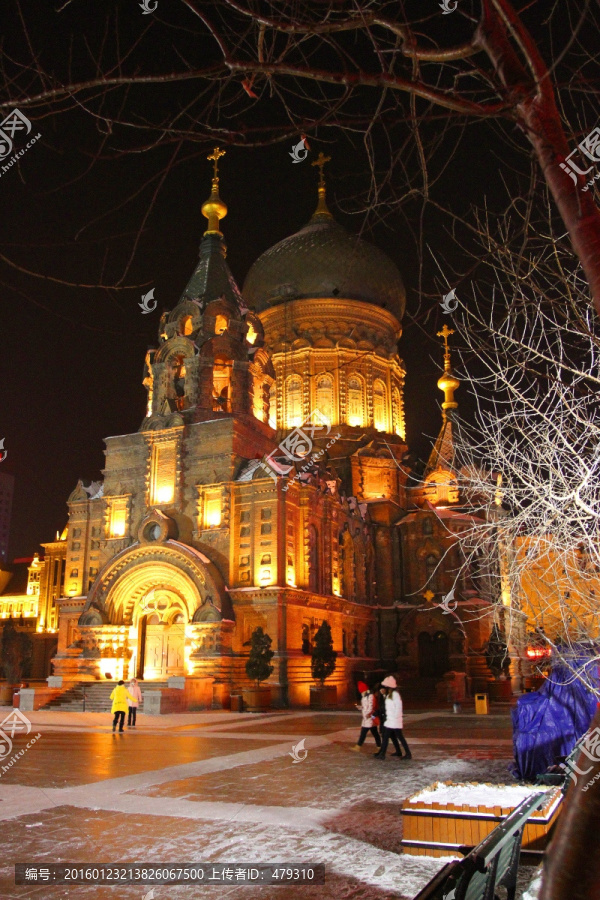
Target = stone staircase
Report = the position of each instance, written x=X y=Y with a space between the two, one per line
x=97 y=696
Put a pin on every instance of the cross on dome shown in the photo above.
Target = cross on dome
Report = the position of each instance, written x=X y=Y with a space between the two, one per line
x=321 y=161
x=321 y=209
x=216 y=155
x=214 y=209
x=448 y=383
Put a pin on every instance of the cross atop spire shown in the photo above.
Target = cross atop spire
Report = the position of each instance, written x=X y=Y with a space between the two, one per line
x=445 y=334
x=214 y=209
x=321 y=209
x=216 y=155
x=448 y=383
x=321 y=161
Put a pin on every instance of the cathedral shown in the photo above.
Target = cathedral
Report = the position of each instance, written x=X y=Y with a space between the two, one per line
x=268 y=484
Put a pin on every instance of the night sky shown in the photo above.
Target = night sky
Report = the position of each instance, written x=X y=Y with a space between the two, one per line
x=79 y=209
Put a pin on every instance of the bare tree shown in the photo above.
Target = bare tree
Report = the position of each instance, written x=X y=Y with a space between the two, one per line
x=531 y=463
x=253 y=72
x=532 y=454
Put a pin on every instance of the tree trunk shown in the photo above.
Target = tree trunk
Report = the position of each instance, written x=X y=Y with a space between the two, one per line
x=572 y=861
x=577 y=208
x=535 y=106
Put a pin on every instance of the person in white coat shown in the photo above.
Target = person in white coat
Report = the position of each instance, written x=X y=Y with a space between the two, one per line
x=368 y=708
x=392 y=729
x=133 y=702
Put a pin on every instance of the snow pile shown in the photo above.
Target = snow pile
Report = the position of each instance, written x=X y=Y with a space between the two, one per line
x=533 y=891
x=504 y=795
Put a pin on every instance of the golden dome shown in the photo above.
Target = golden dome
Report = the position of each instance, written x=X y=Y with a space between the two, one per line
x=448 y=382
x=214 y=209
x=324 y=261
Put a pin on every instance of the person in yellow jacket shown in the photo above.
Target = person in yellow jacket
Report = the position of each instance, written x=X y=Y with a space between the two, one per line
x=119 y=697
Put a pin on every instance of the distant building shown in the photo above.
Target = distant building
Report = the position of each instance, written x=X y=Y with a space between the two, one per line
x=29 y=588
x=7 y=483
x=20 y=588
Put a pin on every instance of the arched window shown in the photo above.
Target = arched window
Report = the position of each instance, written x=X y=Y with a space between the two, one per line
x=431 y=566
x=397 y=412
x=251 y=334
x=222 y=386
x=313 y=559
x=427 y=527
x=380 y=411
x=178 y=374
x=272 y=405
x=324 y=397
x=293 y=401
x=185 y=325
x=305 y=640
x=356 y=401
x=258 y=400
x=220 y=324
x=348 y=566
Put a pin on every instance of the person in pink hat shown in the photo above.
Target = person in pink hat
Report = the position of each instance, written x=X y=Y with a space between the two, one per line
x=368 y=707
x=392 y=730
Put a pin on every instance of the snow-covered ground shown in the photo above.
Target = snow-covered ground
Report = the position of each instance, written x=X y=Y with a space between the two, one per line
x=238 y=800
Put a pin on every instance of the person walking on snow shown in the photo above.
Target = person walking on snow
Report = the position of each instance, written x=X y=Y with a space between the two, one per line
x=119 y=697
x=393 y=720
x=134 y=690
x=368 y=707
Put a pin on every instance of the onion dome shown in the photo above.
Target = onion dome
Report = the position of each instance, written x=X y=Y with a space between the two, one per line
x=324 y=260
x=212 y=278
x=448 y=382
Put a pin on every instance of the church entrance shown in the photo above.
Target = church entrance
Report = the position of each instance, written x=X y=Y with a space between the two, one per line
x=433 y=654
x=163 y=650
x=161 y=635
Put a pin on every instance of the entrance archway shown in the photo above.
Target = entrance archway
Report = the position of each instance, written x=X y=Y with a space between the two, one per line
x=154 y=591
x=433 y=654
x=161 y=634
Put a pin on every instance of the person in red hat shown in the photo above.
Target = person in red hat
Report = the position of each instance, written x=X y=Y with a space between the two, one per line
x=370 y=721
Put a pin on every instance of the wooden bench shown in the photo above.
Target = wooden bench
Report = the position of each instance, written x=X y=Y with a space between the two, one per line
x=493 y=863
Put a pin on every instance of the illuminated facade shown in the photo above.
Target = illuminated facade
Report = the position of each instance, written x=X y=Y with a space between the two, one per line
x=191 y=542
x=22 y=605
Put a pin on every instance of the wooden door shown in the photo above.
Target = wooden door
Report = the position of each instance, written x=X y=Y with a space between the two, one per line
x=164 y=651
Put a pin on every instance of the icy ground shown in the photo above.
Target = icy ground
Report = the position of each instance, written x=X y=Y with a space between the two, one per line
x=229 y=791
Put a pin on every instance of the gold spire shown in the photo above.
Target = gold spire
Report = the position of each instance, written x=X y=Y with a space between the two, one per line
x=214 y=209
x=448 y=383
x=321 y=209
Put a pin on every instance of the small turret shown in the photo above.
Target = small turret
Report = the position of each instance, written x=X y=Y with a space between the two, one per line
x=448 y=383
x=211 y=359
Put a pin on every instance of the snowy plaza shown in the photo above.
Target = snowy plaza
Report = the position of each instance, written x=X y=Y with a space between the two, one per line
x=224 y=788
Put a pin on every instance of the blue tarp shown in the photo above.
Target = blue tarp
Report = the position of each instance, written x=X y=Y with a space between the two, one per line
x=548 y=723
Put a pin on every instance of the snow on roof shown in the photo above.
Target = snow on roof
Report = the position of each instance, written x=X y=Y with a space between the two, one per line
x=489 y=795
x=247 y=472
x=249 y=469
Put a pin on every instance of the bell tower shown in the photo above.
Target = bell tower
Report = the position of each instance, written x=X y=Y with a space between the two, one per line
x=211 y=361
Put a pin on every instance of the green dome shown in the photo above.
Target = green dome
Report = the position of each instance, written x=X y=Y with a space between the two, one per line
x=323 y=260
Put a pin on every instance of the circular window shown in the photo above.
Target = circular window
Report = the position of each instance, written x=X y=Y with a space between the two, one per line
x=152 y=532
